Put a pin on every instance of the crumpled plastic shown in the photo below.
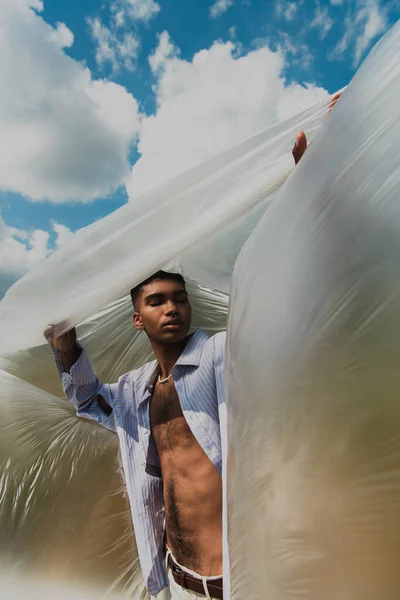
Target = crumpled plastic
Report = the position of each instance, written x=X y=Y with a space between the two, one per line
x=313 y=377
x=312 y=473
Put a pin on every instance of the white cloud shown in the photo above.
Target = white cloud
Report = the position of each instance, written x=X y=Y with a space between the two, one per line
x=35 y=4
x=286 y=9
x=116 y=43
x=134 y=10
x=104 y=40
x=164 y=50
x=114 y=47
x=61 y=133
x=336 y=2
x=64 y=234
x=361 y=27
x=295 y=53
x=322 y=21
x=372 y=20
x=343 y=44
x=210 y=103
x=290 y=11
x=20 y=250
x=62 y=36
x=219 y=8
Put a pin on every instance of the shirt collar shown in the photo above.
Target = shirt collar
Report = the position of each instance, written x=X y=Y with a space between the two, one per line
x=190 y=357
x=192 y=353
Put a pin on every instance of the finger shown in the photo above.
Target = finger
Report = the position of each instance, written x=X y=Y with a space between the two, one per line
x=49 y=332
x=60 y=330
x=333 y=101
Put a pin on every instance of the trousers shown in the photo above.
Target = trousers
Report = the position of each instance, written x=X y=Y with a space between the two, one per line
x=176 y=592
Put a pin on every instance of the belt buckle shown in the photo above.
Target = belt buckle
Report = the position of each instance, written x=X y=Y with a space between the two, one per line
x=176 y=569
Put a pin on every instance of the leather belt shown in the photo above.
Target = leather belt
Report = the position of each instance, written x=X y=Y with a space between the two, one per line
x=195 y=584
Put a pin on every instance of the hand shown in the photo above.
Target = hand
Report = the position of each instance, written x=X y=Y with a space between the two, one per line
x=301 y=143
x=300 y=146
x=334 y=101
x=64 y=343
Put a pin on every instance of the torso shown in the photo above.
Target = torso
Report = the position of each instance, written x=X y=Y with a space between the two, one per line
x=192 y=487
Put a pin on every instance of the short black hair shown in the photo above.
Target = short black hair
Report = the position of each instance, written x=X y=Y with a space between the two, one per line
x=163 y=275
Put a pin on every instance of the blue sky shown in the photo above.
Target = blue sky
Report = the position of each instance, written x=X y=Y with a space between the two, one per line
x=103 y=98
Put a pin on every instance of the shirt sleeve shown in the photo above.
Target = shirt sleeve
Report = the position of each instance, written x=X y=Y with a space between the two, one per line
x=219 y=341
x=82 y=388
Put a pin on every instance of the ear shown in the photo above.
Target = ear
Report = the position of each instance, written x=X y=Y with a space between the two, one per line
x=137 y=321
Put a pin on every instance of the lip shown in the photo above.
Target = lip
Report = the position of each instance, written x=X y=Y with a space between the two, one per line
x=175 y=323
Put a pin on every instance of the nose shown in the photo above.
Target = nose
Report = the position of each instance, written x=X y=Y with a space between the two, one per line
x=172 y=309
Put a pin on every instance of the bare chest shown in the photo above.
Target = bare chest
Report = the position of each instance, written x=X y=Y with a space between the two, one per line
x=168 y=424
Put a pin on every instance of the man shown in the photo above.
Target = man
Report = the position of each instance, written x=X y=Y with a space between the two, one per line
x=166 y=415
x=169 y=418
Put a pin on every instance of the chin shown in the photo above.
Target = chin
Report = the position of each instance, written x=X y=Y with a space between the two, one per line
x=171 y=337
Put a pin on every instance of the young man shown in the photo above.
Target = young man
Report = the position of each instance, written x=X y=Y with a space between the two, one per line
x=169 y=418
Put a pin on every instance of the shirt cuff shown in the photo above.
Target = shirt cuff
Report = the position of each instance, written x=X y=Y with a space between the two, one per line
x=58 y=359
x=81 y=372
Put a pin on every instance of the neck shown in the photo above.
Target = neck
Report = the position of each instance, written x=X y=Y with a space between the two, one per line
x=168 y=354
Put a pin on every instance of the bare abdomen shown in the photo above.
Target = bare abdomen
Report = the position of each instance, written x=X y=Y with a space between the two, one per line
x=193 y=499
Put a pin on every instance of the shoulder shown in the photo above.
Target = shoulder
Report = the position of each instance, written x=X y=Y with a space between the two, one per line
x=216 y=345
x=218 y=340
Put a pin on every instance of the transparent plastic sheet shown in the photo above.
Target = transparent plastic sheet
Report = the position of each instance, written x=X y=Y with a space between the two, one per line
x=210 y=209
x=313 y=377
x=198 y=224
x=63 y=513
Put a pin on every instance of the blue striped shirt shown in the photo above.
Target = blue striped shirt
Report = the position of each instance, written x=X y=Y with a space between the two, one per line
x=198 y=379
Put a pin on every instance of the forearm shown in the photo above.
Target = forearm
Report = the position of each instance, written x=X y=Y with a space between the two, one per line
x=69 y=358
x=79 y=381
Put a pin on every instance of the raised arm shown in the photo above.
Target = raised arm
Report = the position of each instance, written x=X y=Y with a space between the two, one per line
x=301 y=143
x=92 y=399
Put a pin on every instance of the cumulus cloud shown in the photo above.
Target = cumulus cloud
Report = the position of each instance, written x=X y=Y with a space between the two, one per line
x=20 y=250
x=219 y=8
x=210 y=103
x=62 y=36
x=63 y=234
x=63 y=136
x=164 y=50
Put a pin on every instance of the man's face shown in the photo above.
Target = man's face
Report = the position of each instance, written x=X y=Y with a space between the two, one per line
x=163 y=311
